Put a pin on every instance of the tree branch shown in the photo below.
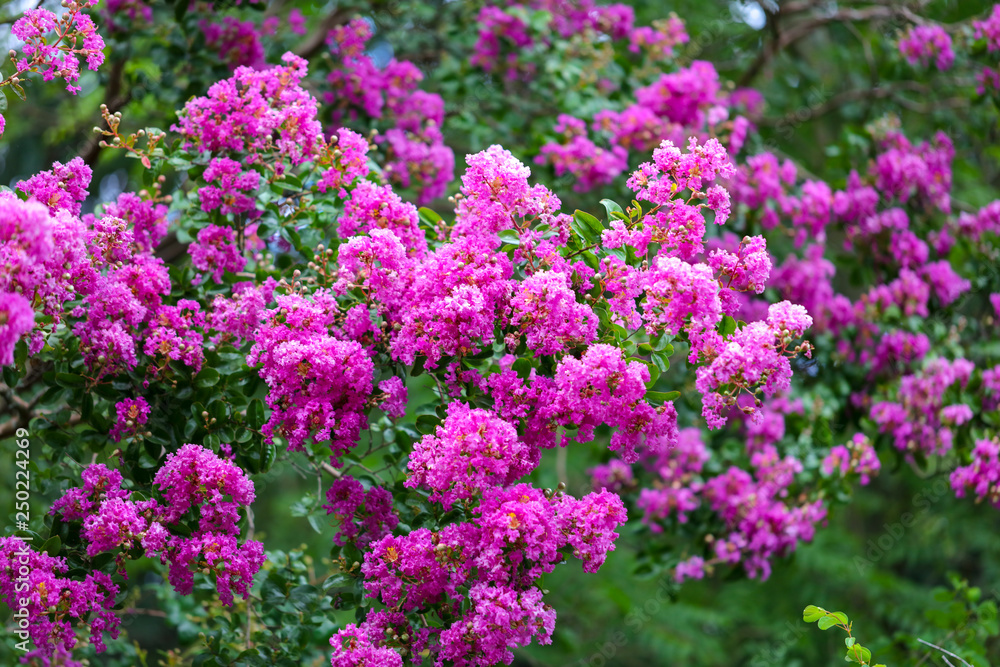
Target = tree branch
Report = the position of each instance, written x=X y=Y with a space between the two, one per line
x=315 y=41
x=806 y=27
x=839 y=100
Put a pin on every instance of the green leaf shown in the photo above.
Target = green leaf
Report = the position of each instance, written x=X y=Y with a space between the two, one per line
x=3 y=101
x=69 y=380
x=827 y=622
x=859 y=654
x=662 y=396
x=52 y=546
x=294 y=238
x=87 y=407
x=428 y=216
x=587 y=226
x=510 y=237
x=849 y=641
x=591 y=260
x=278 y=187
x=208 y=377
x=812 y=613
x=728 y=326
x=255 y=413
x=840 y=616
x=428 y=423
x=612 y=207
x=338 y=580
x=21 y=354
x=662 y=360
x=522 y=367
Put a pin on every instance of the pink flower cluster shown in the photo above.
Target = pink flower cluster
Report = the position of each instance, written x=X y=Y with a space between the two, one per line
x=499 y=32
x=590 y=164
x=754 y=360
x=975 y=225
x=237 y=42
x=545 y=311
x=856 y=457
x=675 y=224
x=131 y=414
x=471 y=452
x=177 y=334
x=260 y=113
x=505 y=36
x=678 y=296
x=508 y=35
x=635 y=128
x=416 y=154
x=658 y=41
x=496 y=195
x=903 y=170
x=989 y=29
x=373 y=206
x=491 y=563
x=982 y=476
x=195 y=484
x=216 y=251
x=237 y=318
x=52 y=605
x=53 y=44
x=614 y=476
x=318 y=385
x=455 y=297
x=679 y=102
x=759 y=520
x=147 y=219
x=62 y=188
x=687 y=97
x=348 y=156
x=991 y=388
x=762 y=183
x=926 y=43
x=600 y=387
x=354 y=646
x=918 y=419
x=744 y=269
x=676 y=486
x=232 y=183
x=365 y=516
x=114 y=13
x=104 y=263
x=26 y=242
x=762 y=523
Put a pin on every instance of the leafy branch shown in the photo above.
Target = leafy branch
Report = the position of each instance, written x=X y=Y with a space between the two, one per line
x=856 y=653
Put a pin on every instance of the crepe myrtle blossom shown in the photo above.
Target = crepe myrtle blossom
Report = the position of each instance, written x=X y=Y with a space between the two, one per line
x=472 y=451
x=200 y=490
x=754 y=360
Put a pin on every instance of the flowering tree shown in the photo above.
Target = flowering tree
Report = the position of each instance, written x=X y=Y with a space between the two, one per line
x=303 y=277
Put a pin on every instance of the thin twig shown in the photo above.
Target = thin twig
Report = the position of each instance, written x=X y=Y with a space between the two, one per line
x=945 y=651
